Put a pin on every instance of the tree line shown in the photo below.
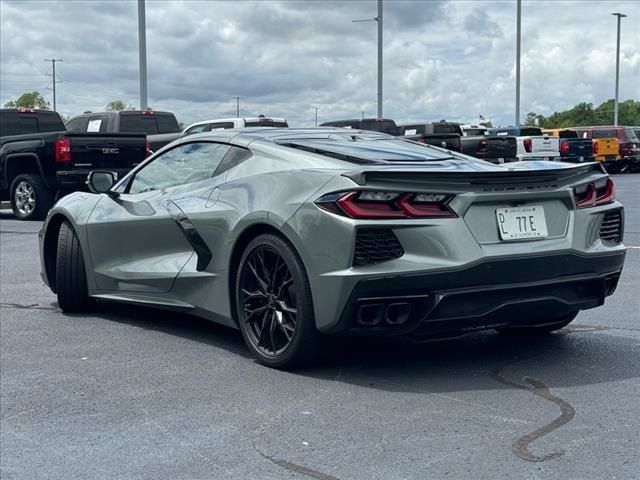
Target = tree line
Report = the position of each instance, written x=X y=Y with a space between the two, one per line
x=585 y=114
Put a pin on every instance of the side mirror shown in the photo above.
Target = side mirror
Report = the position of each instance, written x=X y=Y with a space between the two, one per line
x=101 y=182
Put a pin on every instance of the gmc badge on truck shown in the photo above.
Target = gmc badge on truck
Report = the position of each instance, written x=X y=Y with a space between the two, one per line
x=110 y=151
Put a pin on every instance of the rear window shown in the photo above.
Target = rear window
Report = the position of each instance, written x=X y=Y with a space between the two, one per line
x=16 y=123
x=167 y=124
x=603 y=133
x=439 y=128
x=530 y=131
x=568 y=134
x=363 y=149
x=472 y=132
x=149 y=124
x=383 y=126
x=264 y=123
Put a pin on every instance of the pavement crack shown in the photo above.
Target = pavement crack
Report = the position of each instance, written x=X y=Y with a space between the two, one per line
x=521 y=445
x=294 y=467
x=31 y=306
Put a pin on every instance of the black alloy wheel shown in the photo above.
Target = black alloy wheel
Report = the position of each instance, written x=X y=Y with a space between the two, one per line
x=273 y=303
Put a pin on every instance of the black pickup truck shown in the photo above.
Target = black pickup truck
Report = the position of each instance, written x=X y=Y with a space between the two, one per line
x=449 y=135
x=386 y=125
x=445 y=135
x=161 y=128
x=40 y=160
x=573 y=148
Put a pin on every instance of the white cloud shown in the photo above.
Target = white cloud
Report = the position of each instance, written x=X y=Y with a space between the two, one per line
x=442 y=59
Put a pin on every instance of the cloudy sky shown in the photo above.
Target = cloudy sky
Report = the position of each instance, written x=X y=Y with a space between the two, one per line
x=442 y=59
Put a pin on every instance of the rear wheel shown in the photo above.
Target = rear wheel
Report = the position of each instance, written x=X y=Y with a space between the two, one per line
x=540 y=329
x=30 y=197
x=71 y=278
x=273 y=304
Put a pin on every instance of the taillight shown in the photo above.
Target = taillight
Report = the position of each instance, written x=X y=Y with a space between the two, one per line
x=63 y=150
x=26 y=110
x=626 y=149
x=595 y=193
x=564 y=149
x=483 y=146
x=594 y=148
x=528 y=145
x=147 y=149
x=379 y=205
x=148 y=112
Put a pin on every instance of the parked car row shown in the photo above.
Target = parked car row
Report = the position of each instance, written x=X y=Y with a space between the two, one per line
x=42 y=159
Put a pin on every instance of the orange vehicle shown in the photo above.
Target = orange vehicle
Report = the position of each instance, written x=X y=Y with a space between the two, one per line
x=618 y=147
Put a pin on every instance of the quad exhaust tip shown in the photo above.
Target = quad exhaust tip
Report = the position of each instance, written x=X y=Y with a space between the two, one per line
x=374 y=314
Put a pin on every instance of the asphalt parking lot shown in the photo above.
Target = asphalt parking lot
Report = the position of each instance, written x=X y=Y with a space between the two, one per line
x=132 y=393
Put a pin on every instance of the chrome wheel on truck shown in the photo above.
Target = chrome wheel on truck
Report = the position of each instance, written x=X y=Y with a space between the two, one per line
x=30 y=197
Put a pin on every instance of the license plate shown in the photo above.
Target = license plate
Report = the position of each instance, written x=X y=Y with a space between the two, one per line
x=521 y=222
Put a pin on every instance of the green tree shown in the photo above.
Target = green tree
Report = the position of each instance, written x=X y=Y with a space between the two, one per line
x=29 y=100
x=487 y=124
x=118 y=106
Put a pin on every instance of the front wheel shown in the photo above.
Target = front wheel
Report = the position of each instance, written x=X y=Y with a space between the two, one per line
x=549 y=326
x=71 y=278
x=274 y=305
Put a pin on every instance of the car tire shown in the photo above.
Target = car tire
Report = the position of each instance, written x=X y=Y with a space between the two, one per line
x=540 y=329
x=266 y=292
x=71 y=278
x=30 y=197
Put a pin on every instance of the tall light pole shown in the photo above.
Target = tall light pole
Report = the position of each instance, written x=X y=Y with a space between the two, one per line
x=316 y=121
x=518 y=35
x=53 y=77
x=379 y=20
x=615 y=105
x=237 y=106
x=142 y=51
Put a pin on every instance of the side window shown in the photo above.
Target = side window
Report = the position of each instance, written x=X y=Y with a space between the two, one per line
x=235 y=156
x=75 y=124
x=183 y=164
x=197 y=129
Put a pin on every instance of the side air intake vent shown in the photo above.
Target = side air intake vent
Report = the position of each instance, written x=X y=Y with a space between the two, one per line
x=376 y=245
x=612 y=226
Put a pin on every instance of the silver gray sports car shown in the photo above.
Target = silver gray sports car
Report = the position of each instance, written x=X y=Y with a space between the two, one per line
x=292 y=235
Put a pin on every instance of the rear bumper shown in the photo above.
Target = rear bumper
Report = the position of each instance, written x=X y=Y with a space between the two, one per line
x=486 y=294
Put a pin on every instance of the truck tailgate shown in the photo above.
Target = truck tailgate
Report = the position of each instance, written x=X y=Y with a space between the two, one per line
x=545 y=145
x=106 y=150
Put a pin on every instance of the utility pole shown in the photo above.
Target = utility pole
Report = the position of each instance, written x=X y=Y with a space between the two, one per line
x=362 y=117
x=142 y=51
x=237 y=106
x=379 y=20
x=380 y=65
x=53 y=77
x=316 y=109
x=518 y=35
x=615 y=105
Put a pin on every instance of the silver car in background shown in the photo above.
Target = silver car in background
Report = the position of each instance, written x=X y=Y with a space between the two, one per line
x=292 y=235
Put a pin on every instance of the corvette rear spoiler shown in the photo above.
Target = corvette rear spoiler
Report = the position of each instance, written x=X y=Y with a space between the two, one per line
x=518 y=173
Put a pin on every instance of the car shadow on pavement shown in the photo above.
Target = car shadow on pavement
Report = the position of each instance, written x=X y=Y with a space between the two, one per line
x=577 y=355
x=172 y=323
